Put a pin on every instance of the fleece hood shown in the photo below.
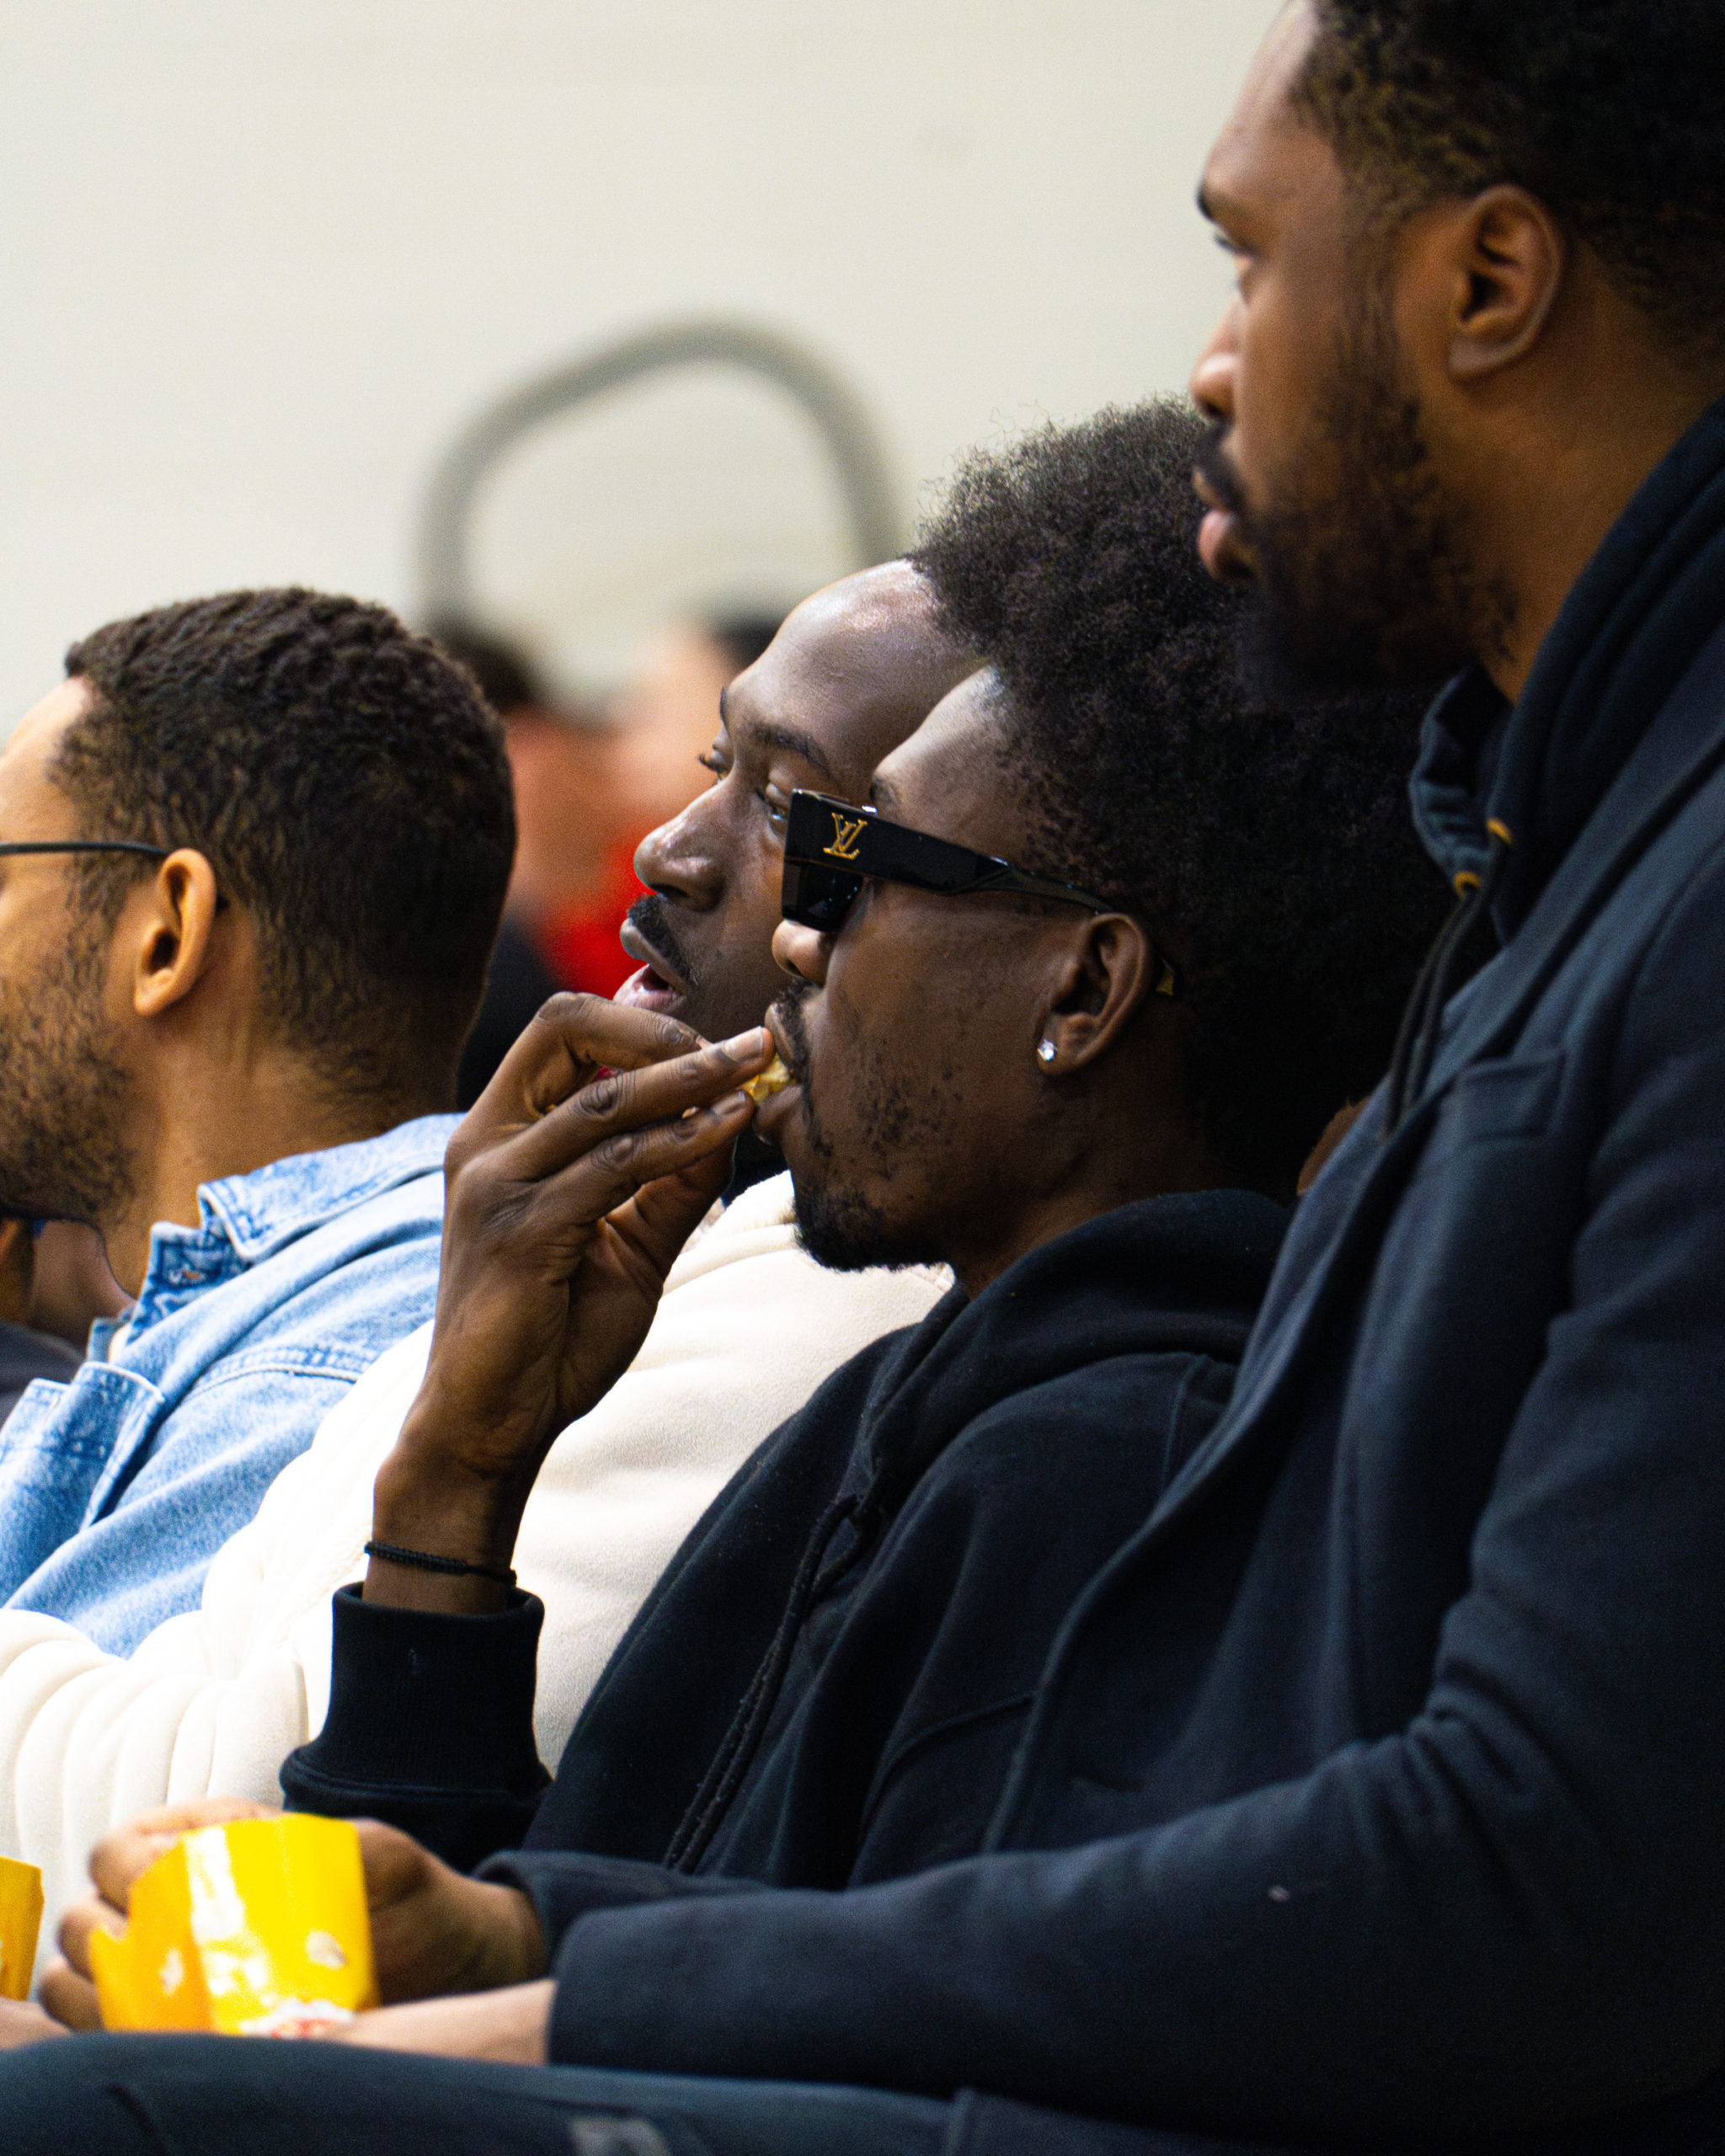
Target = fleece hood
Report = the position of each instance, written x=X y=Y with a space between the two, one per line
x=1175 y=1275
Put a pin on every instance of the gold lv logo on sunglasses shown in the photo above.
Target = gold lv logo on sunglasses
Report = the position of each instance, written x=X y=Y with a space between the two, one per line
x=844 y=837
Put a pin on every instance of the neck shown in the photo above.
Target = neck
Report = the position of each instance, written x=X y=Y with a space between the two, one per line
x=222 y=1124
x=1548 y=486
x=1155 y=1160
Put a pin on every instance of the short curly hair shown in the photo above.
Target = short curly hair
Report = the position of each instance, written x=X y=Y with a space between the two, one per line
x=1610 y=111
x=348 y=785
x=1274 y=848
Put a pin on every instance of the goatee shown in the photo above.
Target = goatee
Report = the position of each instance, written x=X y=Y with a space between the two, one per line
x=840 y=1229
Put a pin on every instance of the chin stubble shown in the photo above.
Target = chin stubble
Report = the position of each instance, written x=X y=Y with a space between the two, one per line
x=840 y=1228
x=61 y=1156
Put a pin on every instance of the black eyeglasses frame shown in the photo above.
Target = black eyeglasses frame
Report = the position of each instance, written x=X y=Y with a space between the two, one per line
x=82 y=846
x=821 y=831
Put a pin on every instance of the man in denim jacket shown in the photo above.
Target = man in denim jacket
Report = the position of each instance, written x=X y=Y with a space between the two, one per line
x=253 y=854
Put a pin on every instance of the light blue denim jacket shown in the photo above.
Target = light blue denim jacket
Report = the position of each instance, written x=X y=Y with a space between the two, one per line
x=118 y=1487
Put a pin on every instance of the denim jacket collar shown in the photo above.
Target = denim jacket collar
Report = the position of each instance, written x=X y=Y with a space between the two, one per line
x=243 y=1220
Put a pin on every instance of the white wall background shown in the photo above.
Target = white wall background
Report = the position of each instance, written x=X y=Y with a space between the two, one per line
x=259 y=258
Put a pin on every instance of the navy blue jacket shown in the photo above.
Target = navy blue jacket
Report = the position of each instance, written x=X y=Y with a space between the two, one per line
x=946 y=1495
x=1375 y=1792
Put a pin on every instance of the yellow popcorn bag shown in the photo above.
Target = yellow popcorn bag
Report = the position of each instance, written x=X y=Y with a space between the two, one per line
x=21 y=1919
x=258 y=1928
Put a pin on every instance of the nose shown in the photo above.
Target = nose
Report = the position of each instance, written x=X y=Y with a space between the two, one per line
x=678 y=860
x=1213 y=377
x=801 y=952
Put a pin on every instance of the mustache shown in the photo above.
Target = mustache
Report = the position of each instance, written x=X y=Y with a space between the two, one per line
x=1211 y=465
x=650 y=917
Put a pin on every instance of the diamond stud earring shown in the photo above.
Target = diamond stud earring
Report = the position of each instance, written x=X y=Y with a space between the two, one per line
x=1046 y=1051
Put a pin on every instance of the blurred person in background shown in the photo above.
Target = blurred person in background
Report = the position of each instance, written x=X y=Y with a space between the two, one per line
x=55 y=1285
x=255 y=849
x=71 y=1288
x=560 y=777
x=27 y=1350
x=663 y=716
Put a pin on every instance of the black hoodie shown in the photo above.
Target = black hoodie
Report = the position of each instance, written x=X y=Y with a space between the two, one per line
x=828 y=1685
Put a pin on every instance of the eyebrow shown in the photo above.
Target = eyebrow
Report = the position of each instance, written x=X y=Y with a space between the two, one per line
x=763 y=734
x=881 y=794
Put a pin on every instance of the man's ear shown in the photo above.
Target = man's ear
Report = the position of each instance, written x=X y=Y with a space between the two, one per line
x=1496 y=265
x=1107 y=973
x=169 y=927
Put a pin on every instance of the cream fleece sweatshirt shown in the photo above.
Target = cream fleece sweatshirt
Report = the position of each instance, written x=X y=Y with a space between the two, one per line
x=213 y=1701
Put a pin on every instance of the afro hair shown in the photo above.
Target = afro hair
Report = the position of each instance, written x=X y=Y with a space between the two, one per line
x=1274 y=848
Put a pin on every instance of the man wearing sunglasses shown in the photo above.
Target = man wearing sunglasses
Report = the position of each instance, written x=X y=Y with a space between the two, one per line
x=1067 y=1010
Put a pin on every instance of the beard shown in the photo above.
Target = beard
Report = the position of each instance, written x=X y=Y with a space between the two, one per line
x=840 y=1227
x=62 y=1156
x=1363 y=577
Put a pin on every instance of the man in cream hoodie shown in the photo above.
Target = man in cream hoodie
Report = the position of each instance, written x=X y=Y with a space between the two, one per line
x=749 y=1326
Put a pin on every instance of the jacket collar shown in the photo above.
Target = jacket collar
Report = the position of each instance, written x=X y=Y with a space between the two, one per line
x=1630 y=629
x=260 y=1212
x=243 y=1220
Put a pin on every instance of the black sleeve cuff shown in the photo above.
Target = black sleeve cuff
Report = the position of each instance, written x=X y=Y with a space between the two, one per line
x=564 y=1886
x=430 y=1725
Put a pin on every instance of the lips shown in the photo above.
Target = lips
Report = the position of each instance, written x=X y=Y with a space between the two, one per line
x=1222 y=542
x=657 y=986
x=646 y=990
x=782 y=1024
x=1223 y=550
x=778 y=1024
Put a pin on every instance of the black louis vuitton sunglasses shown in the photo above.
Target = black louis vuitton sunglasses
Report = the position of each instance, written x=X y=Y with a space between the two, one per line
x=833 y=848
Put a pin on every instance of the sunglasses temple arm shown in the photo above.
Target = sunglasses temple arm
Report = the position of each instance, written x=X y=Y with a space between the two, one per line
x=1169 y=979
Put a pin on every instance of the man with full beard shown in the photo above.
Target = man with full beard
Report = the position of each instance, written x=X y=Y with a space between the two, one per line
x=1467 y=407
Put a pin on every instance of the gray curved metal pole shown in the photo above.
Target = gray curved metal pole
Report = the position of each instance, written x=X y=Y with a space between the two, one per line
x=851 y=440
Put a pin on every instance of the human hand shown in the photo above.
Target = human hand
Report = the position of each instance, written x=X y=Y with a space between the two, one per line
x=572 y=1185
x=509 y=2028
x=117 y=1863
x=22 y=2023
x=433 y=1930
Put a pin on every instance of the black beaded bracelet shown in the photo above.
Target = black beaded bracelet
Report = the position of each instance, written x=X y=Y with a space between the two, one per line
x=422 y=1561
